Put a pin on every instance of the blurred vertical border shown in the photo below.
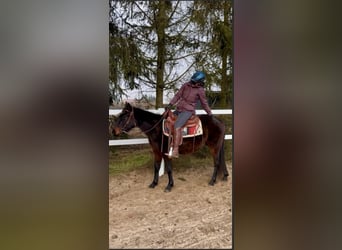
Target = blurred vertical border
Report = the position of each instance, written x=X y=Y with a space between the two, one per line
x=287 y=123
x=54 y=114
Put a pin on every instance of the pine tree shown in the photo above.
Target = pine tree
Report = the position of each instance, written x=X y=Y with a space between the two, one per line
x=214 y=20
x=159 y=33
x=157 y=44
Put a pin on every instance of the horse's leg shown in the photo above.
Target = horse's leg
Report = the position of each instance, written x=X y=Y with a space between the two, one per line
x=213 y=177
x=219 y=164
x=156 y=173
x=168 y=166
x=216 y=158
x=223 y=165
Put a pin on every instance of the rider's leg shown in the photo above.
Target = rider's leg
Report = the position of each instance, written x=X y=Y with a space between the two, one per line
x=177 y=134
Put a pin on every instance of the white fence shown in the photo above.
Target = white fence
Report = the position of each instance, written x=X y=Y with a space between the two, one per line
x=120 y=142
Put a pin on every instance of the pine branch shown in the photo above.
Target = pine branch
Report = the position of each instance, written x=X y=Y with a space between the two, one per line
x=182 y=57
x=180 y=76
x=144 y=13
x=173 y=12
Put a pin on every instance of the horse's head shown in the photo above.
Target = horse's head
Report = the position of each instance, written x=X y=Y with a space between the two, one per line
x=111 y=122
x=125 y=121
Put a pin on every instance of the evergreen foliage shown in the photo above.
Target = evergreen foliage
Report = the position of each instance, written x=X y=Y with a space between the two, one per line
x=159 y=44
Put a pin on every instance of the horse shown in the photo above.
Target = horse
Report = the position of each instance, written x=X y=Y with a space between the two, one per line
x=151 y=125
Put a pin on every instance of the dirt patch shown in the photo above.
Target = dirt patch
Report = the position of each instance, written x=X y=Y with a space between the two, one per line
x=192 y=215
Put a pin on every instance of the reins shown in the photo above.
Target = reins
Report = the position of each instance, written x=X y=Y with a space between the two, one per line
x=135 y=124
x=155 y=125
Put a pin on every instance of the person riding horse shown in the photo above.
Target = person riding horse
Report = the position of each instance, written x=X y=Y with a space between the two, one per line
x=185 y=100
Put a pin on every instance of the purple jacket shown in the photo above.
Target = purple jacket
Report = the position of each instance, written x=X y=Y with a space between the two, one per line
x=187 y=96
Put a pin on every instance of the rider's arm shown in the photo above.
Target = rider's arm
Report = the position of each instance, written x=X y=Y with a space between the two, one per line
x=177 y=96
x=204 y=101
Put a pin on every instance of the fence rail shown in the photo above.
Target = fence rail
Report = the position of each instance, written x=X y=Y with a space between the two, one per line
x=121 y=142
x=198 y=111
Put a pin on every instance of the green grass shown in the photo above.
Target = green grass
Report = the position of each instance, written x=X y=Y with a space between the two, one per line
x=125 y=159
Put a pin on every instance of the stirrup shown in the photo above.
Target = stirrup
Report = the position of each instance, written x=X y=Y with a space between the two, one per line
x=171 y=155
x=175 y=156
x=170 y=152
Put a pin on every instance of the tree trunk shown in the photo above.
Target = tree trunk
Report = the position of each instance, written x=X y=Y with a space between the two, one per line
x=160 y=30
x=225 y=56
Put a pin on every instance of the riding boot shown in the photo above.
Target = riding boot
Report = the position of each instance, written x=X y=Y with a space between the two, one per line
x=177 y=137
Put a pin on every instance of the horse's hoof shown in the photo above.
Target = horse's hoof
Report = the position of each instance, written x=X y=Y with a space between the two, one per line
x=211 y=183
x=152 y=185
x=168 y=188
x=225 y=178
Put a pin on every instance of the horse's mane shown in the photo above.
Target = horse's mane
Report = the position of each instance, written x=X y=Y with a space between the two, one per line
x=147 y=115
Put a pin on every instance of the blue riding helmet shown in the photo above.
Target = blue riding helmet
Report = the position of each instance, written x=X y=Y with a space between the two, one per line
x=199 y=76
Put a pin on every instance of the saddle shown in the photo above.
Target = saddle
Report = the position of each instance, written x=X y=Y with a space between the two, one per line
x=192 y=127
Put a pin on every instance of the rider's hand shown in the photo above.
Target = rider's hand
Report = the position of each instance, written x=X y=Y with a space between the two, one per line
x=168 y=107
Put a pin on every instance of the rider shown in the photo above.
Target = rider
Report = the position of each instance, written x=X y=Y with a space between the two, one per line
x=185 y=100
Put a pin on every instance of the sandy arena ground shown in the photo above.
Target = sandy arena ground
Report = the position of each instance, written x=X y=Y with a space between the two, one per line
x=192 y=215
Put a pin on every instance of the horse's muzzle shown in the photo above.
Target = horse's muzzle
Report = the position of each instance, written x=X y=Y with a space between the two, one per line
x=117 y=131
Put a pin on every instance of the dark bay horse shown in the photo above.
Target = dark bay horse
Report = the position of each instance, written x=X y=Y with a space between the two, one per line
x=151 y=125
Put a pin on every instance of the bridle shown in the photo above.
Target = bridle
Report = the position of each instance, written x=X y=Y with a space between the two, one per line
x=131 y=115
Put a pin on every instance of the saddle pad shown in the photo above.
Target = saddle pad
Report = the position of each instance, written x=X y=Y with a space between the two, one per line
x=187 y=131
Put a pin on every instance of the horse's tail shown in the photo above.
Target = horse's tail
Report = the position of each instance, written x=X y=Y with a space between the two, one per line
x=222 y=168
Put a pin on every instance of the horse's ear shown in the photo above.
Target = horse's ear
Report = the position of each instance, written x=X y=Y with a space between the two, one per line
x=128 y=106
